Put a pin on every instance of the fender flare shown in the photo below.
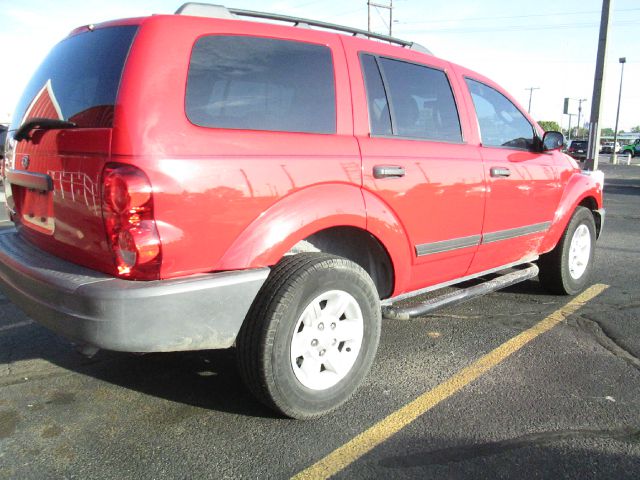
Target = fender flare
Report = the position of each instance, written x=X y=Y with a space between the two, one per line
x=581 y=185
x=305 y=212
x=383 y=224
x=265 y=241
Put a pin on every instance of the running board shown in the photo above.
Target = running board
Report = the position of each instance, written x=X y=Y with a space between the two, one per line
x=503 y=281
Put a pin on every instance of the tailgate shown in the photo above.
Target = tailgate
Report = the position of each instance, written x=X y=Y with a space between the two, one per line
x=53 y=174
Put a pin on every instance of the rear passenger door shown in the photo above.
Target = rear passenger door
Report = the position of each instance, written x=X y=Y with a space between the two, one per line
x=522 y=185
x=415 y=158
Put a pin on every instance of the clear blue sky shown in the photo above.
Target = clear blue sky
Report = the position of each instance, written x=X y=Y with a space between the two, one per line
x=547 y=44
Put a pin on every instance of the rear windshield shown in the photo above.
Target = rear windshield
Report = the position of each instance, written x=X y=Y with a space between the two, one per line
x=579 y=144
x=79 y=79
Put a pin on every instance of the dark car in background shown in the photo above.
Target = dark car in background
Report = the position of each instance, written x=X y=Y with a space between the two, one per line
x=3 y=138
x=578 y=149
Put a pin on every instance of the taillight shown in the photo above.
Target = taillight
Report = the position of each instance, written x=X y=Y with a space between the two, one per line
x=127 y=209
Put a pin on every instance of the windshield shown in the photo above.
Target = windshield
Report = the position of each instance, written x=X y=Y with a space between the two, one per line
x=79 y=79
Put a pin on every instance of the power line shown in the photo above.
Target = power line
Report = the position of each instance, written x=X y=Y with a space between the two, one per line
x=509 y=28
x=516 y=16
x=386 y=6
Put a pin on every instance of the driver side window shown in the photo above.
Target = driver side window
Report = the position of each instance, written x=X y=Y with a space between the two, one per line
x=501 y=123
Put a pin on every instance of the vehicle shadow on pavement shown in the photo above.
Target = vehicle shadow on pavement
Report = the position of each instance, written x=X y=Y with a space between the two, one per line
x=557 y=453
x=622 y=186
x=206 y=379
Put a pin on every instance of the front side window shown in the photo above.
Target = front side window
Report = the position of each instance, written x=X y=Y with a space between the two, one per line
x=501 y=123
x=422 y=103
x=255 y=83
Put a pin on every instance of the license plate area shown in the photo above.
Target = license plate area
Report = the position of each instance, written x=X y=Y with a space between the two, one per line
x=37 y=211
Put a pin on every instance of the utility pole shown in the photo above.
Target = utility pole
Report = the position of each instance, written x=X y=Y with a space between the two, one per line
x=531 y=89
x=614 y=156
x=375 y=5
x=580 y=100
x=591 y=163
x=569 y=129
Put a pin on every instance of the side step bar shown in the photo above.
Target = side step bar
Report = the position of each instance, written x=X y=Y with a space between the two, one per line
x=503 y=281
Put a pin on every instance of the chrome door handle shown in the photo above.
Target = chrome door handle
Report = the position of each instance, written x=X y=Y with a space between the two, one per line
x=388 y=171
x=500 y=172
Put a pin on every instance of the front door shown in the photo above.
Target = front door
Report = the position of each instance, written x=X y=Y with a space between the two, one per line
x=522 y=183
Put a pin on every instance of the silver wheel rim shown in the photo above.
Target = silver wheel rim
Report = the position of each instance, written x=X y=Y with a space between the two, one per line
x=326 y=340
x=579 y=251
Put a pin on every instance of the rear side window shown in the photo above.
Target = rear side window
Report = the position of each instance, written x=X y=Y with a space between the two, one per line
x=79 y=79
x=379 y=116
x=501 y=123
x=422 y=103
x=257 y=83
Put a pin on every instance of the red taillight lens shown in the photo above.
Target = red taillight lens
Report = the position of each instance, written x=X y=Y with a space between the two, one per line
x=127 y=206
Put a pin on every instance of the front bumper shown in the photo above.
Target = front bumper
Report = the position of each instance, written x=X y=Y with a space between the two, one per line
x=600 y=214
x=91 y=308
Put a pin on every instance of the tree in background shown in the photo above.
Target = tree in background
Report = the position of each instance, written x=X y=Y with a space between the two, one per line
x=607 y=132
x=636 y=129
x=549 y=126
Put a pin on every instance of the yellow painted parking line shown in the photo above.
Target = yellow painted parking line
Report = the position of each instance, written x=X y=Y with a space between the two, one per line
x=389 y=426
x=15 y=325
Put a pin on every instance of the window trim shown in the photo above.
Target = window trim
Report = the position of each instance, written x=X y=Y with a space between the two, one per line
x=385 y=86
x=267 y=37
x=535 y=137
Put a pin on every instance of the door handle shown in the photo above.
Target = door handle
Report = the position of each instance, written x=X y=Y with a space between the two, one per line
x=388 y=171
x=500 y=172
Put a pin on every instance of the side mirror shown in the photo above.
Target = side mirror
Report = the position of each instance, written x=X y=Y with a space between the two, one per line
x=552 y=141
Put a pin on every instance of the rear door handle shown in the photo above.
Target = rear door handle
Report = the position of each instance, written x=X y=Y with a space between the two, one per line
x=388 y=171
x=500 y=172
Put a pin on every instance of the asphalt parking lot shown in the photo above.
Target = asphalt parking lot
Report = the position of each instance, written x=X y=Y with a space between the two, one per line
x=517 y=384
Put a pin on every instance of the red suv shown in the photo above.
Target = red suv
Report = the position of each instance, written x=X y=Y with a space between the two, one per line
x=200 y=181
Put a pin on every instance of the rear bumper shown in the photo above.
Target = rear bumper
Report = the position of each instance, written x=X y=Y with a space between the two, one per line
x=91 y=308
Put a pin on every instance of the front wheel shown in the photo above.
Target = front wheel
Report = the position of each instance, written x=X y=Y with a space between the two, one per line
x=566 y=269
x=311 y=335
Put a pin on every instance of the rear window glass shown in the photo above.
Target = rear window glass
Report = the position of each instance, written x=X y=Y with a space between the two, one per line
x=79 y=79
x=257 y=83
x=580 y=144
x=422 y=103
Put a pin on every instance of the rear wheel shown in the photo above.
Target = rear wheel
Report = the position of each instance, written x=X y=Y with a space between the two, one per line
x=566 y=269
x=311 y=336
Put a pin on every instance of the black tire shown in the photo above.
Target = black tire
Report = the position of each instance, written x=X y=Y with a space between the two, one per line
x=555 y=274
x=265 y=340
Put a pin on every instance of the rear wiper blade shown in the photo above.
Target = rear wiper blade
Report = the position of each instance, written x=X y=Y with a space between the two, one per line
x=25 y=129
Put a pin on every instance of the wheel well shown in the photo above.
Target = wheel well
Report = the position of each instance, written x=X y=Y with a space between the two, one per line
x=591 y=204
x=357 y=245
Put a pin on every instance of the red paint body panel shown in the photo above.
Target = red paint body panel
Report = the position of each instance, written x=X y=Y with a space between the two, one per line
x=74 y=159
x=576 y=186
x=442 y=180
x=210 y=185
x=236 y=199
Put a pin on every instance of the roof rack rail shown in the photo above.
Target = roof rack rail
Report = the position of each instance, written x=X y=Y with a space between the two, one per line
x=220 y=11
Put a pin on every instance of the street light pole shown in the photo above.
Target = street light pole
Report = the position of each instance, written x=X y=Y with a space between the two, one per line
x=614 y=156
